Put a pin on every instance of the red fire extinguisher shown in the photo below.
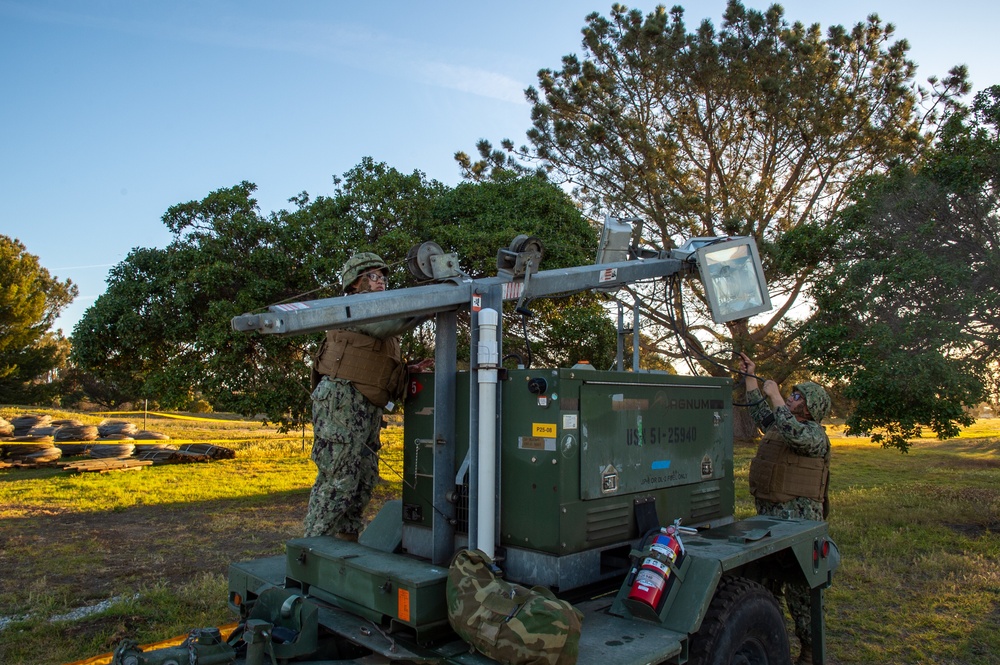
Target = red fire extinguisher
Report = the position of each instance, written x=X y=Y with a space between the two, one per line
x=655 y=571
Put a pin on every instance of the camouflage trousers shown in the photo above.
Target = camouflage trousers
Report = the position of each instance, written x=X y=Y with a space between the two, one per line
x=797 y=595
x=345 y=448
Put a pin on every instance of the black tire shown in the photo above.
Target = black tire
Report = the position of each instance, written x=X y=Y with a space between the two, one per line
x=744 y=625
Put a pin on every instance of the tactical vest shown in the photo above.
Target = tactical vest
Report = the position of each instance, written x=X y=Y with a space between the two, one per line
x=777 y=474
x=374 y=366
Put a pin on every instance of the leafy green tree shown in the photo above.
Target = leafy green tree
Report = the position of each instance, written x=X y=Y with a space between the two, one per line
x=30 y=301
x=755 y=129
x=162 y=330
x=910 y=309
x=478 y=219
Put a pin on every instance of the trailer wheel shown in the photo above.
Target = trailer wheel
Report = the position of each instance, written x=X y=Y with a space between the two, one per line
x=743 y=626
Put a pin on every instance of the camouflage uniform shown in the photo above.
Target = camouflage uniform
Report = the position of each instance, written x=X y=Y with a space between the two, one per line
x=346 y=423
x=804 y=438
x=345 y=449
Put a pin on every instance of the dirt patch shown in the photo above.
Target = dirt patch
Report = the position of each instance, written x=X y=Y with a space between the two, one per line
x=976 y=496
x=92 y=556
x=117 y=628
x=975 y=530
x=970 y=463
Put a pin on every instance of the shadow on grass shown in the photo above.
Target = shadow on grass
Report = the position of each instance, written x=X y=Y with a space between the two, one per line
x=80 y=557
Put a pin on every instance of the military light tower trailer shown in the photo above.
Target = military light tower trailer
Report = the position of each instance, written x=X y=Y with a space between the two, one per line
x=559 y=474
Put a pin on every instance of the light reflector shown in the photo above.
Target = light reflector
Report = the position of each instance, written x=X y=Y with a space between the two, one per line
x=734 y=279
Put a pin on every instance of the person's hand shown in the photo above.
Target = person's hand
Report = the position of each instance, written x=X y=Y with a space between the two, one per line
x=749 y=370
x=773 y=394
x=423 y=365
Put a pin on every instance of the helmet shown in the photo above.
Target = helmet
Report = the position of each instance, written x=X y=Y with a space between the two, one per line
x=817 y=401
x=359 y=264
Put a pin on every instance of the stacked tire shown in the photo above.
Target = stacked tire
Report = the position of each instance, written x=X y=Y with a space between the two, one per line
x=111 y=450
x=72 y=438
x=24 y=424
x=38 y=438
x=31 y=449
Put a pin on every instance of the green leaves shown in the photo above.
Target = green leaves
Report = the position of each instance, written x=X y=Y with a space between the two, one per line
x=753 y=127
x=30 y=301
x=162 y=329
x=910 y=310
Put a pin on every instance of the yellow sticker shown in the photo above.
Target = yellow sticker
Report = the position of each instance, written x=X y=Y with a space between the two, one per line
x=403 y=605
x=543 y=429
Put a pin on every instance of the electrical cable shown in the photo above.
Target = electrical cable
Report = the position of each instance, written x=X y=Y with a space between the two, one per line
x=412 y=486
x=516 y=356
x=668 y=300
x=525 y=314
x=674 y=282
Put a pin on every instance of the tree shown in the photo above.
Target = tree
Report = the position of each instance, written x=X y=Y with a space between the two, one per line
x=755 y=129
x=910 y=308
x=477 y=219
x=30 y=301
x=162 y=330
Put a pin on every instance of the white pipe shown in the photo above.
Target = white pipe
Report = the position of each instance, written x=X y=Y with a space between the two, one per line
x=486 y=476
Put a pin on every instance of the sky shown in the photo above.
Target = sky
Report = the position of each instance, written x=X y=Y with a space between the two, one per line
x=111 y=111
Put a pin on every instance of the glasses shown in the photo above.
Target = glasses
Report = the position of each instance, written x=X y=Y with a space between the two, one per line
x=375 y=276
x=796 y=396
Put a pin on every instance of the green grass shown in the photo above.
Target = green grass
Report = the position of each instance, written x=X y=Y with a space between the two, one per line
x=919 y=534
x=69 y=540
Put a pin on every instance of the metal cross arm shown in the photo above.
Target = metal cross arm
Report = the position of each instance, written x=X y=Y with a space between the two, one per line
x=311 y=316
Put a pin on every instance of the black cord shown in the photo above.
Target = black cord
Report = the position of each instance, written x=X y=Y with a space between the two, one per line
x=516 y=356
x=693 y=351
x=402 y=479
x=525 y=314
x=669 y=298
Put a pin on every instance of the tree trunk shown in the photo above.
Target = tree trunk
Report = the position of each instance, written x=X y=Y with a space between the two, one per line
x=744 y=430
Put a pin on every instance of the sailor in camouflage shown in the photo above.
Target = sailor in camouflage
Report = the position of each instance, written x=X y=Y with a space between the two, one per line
x=790 y=474
x=357 y=373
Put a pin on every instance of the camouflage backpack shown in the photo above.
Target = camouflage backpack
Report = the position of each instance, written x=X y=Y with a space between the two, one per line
x=507 y=622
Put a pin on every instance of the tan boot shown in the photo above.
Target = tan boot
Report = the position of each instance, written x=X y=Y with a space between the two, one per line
x=351 y=537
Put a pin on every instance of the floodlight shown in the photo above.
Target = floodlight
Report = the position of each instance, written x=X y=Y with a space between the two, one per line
x=616 y=235
x=733 y=278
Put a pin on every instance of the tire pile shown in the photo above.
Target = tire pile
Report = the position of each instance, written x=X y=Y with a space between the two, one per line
x=30 y=439
x=38 y=439
x=75 y=431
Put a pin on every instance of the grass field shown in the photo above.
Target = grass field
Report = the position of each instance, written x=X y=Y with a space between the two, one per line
x=919 y=535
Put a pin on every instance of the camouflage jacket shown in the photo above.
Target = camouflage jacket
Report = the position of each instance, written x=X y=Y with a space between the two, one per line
x=808 y=438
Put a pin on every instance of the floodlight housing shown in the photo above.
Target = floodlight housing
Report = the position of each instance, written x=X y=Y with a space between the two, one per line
x=733 y=278
x=616 y=235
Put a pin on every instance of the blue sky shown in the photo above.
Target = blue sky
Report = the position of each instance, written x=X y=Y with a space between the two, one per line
x=113 y=110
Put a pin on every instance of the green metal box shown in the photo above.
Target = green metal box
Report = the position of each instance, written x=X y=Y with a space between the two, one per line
x=586 y=457
x=388 y=589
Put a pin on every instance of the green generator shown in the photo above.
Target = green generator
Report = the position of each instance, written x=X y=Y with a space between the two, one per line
x=589 y=462
x=561 y=476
